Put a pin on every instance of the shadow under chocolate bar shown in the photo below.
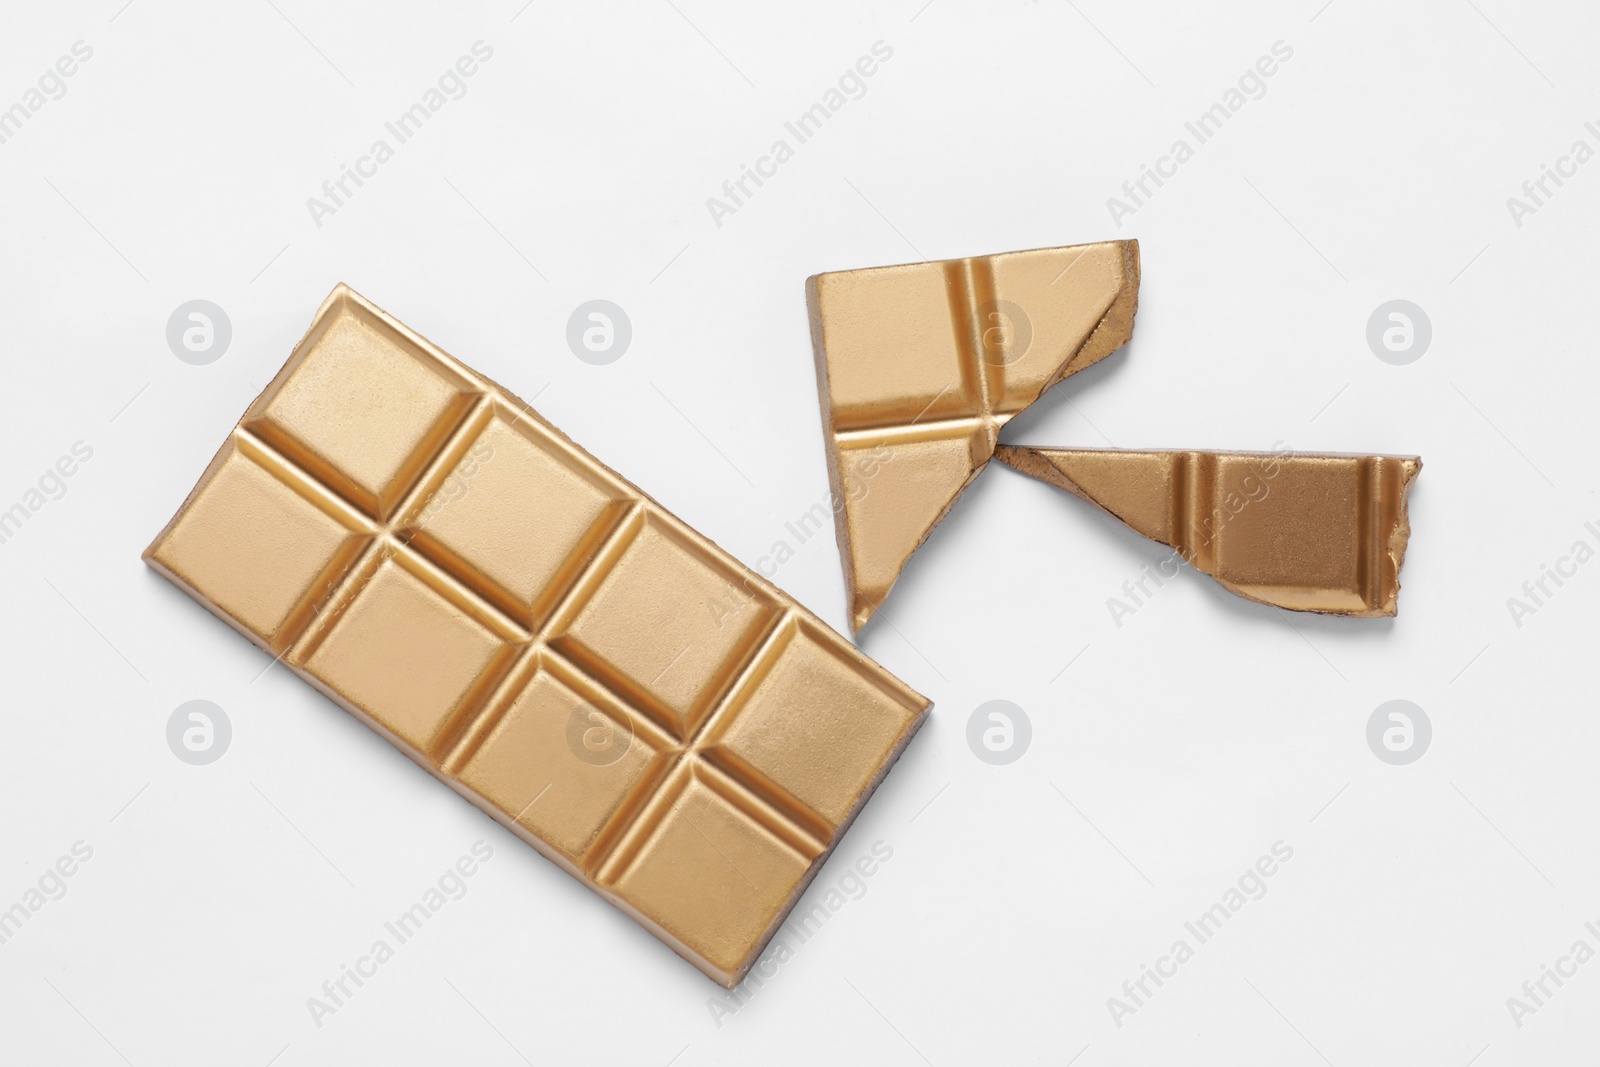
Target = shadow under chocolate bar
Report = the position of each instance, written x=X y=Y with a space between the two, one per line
x=645 y=711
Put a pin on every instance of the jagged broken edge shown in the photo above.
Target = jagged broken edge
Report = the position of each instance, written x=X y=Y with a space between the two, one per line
x=1031 y=461
x=1114 y=330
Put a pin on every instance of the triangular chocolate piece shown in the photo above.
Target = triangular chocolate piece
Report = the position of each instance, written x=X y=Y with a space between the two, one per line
x=919 y=366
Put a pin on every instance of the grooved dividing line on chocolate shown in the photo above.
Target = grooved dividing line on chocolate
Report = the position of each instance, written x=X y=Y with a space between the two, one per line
x=538 y=633
x=918 y=368
x=1322 y=532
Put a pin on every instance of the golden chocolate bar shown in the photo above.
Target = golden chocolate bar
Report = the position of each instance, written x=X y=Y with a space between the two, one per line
x=448 y=567
x=1299 y=530
x=919 y=366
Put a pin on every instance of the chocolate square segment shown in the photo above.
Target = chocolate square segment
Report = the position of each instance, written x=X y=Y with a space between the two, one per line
x=404 y=648
x=807 y=690
x=297 y=538
x=713 y=873
x=358 y=408
x=658 y=627
x=562 y=761
x=895 y=309
x=649 y=714
x=514 y=477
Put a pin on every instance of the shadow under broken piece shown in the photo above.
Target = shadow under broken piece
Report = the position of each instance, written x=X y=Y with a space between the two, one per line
x=1319 y=532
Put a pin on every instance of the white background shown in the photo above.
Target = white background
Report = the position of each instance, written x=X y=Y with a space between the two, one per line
x=1172 y=752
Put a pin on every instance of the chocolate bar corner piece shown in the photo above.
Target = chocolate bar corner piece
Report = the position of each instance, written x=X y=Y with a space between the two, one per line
x=646 y=712
x=919 y=366
x=1307 y=531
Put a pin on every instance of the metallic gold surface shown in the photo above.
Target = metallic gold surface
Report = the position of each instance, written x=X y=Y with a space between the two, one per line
x=1300 y=530
x=529 y=627
x=919 y=366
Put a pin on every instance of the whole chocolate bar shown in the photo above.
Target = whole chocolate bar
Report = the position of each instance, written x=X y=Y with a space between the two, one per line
x=532 y=629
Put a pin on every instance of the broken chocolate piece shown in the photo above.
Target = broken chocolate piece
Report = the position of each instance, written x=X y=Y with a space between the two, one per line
x=919 y=366
x=1301 y=530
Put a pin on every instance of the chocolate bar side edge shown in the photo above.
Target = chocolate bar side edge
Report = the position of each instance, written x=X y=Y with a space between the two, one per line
x=919 y=705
